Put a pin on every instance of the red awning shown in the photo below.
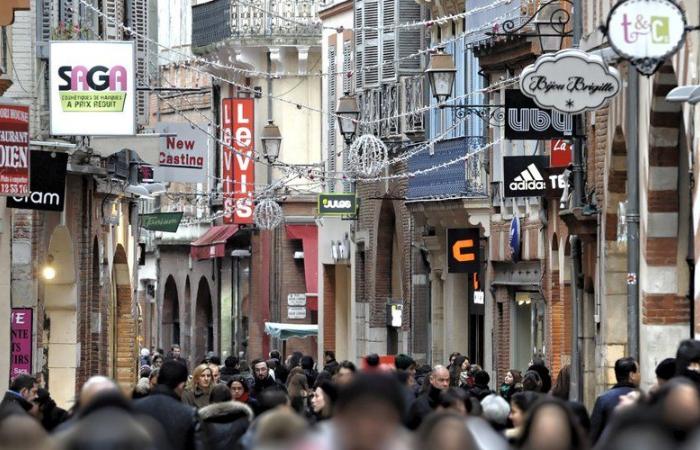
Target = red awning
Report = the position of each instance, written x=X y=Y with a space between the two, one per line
x=212 y=244
x=309 y=240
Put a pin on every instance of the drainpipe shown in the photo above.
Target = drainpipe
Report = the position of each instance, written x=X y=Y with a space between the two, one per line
x=632 y=213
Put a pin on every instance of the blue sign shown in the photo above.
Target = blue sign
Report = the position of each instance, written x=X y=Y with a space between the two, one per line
x=514 y=241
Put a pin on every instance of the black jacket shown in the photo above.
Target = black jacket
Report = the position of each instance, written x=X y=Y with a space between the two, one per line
x=479 y=392
x=13 y=403
x=423 y=406
x=224 y=423
x=263 y=385
x=179 y=421
x=604 y=406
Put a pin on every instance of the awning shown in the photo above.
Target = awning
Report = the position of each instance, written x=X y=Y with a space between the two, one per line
x=212 y=244
x=309 y=240
x=285 y=331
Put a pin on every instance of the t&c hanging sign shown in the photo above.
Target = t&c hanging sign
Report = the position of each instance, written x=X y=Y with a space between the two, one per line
x=570 y=81
x=92 y=88
x=646 y=32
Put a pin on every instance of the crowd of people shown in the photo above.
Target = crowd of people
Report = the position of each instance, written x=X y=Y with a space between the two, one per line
x=297 y=404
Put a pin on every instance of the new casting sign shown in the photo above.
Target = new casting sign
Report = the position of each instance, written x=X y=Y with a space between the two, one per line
x=183 y=153
x=92 y=88
x=527 y=121
x=47 y=185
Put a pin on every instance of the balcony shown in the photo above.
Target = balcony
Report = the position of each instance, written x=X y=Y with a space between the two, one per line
x=465 y=179
x=256 y=22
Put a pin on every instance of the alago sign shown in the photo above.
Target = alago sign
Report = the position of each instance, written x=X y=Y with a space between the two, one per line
x=646 y=32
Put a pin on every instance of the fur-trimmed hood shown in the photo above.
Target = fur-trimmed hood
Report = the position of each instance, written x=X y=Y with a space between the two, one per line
x=231 y=410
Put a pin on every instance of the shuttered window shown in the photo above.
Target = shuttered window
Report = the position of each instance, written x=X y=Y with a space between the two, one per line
x=332 y=100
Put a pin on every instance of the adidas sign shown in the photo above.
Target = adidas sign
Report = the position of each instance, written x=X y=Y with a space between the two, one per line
x=529 y=179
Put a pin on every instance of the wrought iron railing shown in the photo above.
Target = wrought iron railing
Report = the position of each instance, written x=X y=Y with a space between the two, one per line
x=218 y=20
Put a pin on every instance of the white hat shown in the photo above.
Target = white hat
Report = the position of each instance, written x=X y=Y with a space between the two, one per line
x=145 y=352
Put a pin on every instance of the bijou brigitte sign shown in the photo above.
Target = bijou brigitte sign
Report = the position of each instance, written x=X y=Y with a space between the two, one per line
x=646 y=32
x=570 y=81
x=92 y=88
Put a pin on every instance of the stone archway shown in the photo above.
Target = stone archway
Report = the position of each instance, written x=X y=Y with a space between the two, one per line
x=170 y=315
x=203 y=321
x=125 y=354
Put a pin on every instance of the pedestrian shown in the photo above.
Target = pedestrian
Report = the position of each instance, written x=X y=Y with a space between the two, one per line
x=495 y=410
x=145 y=359
x=278 y=429
x=372 y=361
x=481 y=385
x=263 y=380
x=428 y=401
x=199 y=388
x=299 y=392
x=224 y=420
x=367 y=416
x=520 y=405
x=561 y=391
x=23 y=432
x=455 y=400
x=179 y=421
x=628 y=376
x=215 y=373
x=542 y=370
x=444 y=431
x=345 y=373
x=512 y=383
x=156 y=361
x=153 y=378
x=176 y=354
x=459 y=366
x=50 y=415
x=665 y=371
x=240 y=391
x=142 y=388
x=19 y=398
x=550 y=425
x=451 y=359
x=231 y=368
x=532 y=381
x=281 y=371
x=330 y=365
x=325 y=394
x=307 y=363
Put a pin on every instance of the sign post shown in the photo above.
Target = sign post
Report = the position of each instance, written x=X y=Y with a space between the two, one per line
x=48 y=183
x=337 y=204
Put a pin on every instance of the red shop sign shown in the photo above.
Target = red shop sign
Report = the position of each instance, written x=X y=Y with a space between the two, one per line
x=238 y=167
x=14 y=150
x=560 y=154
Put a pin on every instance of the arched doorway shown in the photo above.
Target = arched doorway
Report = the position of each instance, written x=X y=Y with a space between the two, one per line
x=170 y=316
x=125 y=355
x=203 y=321
x=387 y=277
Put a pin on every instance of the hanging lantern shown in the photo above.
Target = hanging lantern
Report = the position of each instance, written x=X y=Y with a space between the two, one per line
x=268 y=214
x=368 y=156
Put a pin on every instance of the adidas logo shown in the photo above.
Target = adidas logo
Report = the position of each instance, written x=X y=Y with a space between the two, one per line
x=529 y=179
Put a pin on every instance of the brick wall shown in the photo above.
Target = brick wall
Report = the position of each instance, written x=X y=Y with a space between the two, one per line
x=328 y=307
x=501 y=332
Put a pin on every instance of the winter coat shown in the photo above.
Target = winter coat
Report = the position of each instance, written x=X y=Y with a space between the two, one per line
x=507 y=391
x=263 y=385
x=179 y=421
x=223 y=424
x=196 y=397
x=13 y=403
x=604 y=406
x=426 y=403
x=479 y=392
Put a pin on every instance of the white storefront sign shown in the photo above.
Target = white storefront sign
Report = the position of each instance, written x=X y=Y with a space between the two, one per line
x=296 y=299
x=646 y=32
x=92 y=88
x=296 y=312
x=183 y=153
x=570 y=81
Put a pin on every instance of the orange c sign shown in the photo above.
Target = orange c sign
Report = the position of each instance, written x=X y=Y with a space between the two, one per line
x=460 y=250
x=463 y=250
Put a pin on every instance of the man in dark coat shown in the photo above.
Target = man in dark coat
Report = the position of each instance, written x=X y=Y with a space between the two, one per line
x=19 y=399
x=224 y=421
x=263 y=379
x=179 y=421
x=628 y=376
x=481 y=389
x=428 y=401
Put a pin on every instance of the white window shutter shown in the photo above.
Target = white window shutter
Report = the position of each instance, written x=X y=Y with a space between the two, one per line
x=359 y=44
x=372 y=44
x=332 y=96
x=409 y=39
x=388 y=58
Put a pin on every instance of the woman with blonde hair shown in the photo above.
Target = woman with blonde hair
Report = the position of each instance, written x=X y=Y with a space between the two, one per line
x=198 y=389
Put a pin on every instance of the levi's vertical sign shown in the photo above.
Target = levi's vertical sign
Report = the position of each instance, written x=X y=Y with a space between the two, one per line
x=463 y=250
x=14 y=150
x=92 y=88
x=238 y=165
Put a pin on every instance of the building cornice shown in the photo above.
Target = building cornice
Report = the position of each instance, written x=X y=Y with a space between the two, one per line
x=335 y=9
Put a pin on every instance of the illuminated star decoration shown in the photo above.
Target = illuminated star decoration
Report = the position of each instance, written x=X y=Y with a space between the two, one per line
x=570 y=103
